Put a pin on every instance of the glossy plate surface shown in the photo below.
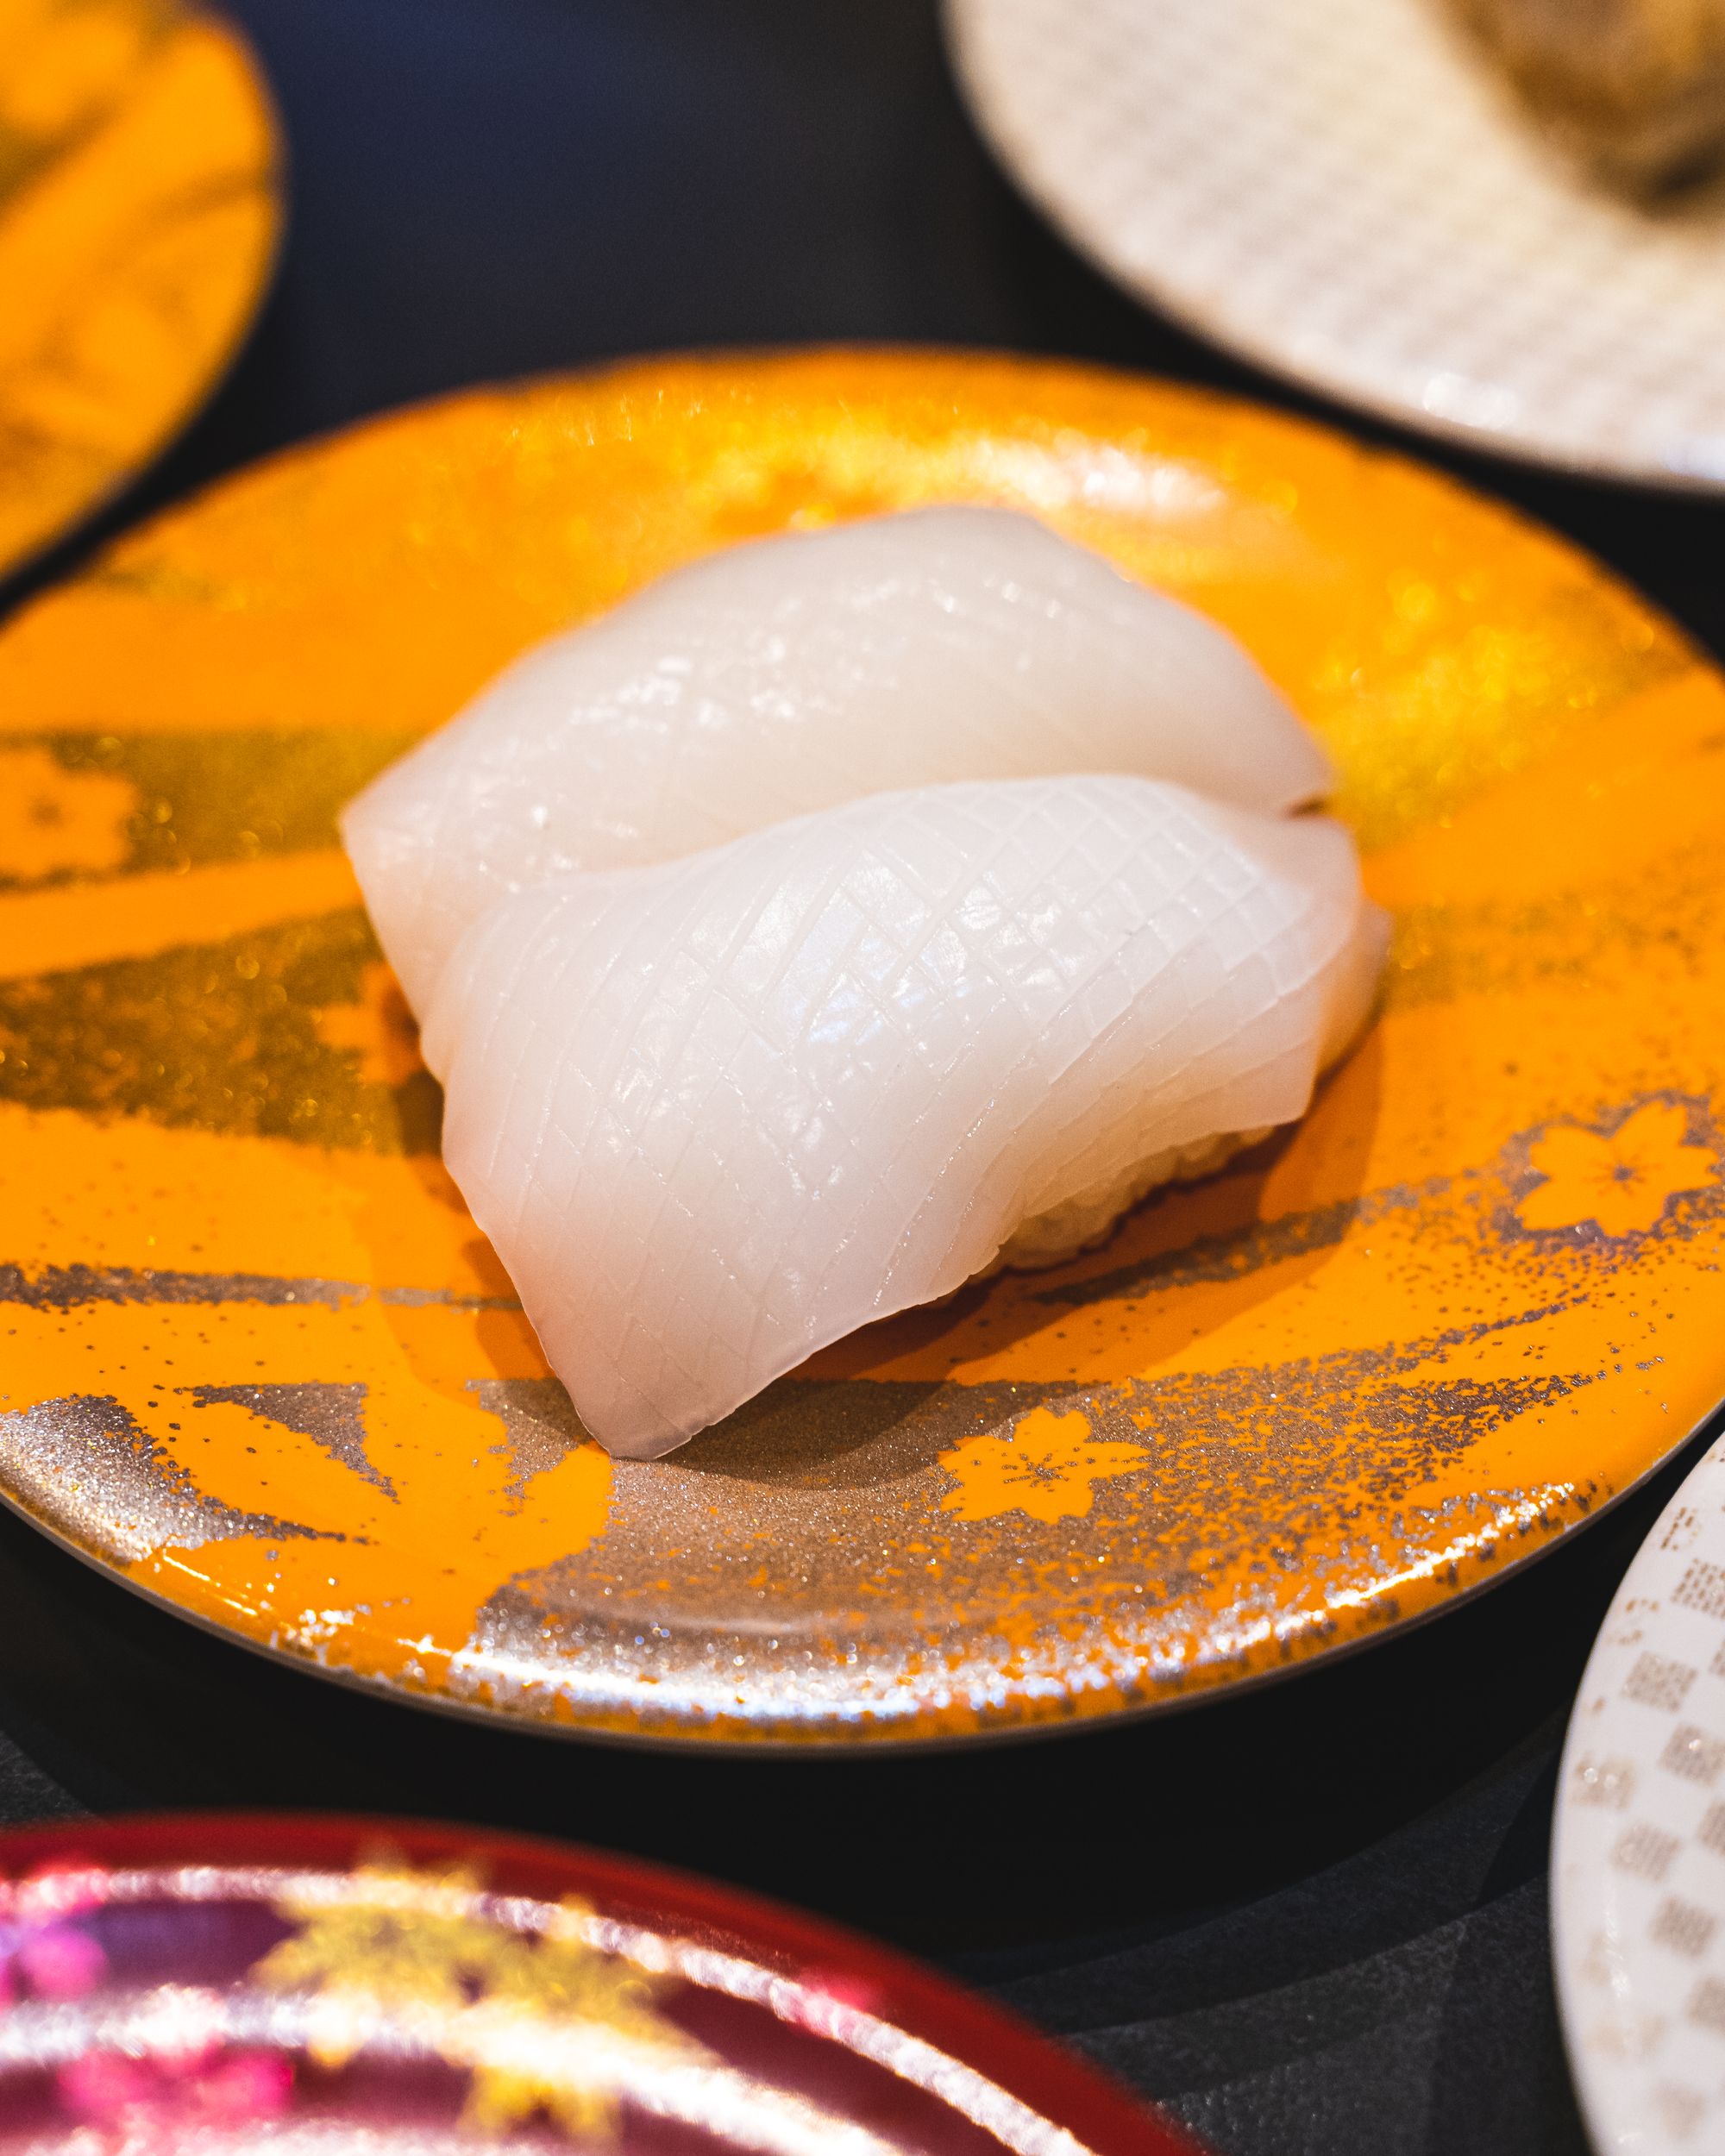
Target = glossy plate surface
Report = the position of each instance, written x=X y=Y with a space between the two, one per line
x=354 y=1986
x=257 y=1362
x=1343 y=191
x=138 y=218
x=1638 y=1861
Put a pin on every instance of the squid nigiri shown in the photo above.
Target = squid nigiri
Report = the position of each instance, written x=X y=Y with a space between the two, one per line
x=718 y=1112
x=792 y=673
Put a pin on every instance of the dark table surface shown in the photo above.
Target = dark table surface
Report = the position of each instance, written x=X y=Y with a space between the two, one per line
x=1309 y=1919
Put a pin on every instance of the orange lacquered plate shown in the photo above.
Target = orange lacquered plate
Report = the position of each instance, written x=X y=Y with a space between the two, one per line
x=138 y=218
x=257 y=1361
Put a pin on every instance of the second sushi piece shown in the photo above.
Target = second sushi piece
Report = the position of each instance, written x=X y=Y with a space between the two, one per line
x=719 y=1113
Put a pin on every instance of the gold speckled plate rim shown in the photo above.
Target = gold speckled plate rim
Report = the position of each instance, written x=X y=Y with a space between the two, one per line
x=835 y=1746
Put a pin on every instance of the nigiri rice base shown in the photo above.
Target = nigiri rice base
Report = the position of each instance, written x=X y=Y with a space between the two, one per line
x=1086 y=1219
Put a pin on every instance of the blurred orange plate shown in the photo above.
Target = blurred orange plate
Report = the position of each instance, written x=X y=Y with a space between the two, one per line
x=260 y=1364
x=138 y=215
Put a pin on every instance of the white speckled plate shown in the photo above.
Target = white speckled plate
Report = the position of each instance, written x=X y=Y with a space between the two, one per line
x=1341 y=191
x=1638 y=1866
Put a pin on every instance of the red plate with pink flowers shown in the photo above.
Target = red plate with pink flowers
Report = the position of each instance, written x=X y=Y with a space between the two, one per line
x=223 y=1984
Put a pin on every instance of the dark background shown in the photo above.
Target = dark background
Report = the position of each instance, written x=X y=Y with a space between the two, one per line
x=1310 y=1918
